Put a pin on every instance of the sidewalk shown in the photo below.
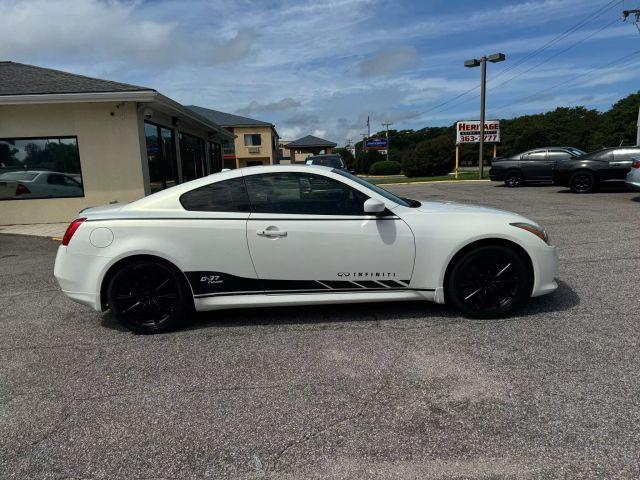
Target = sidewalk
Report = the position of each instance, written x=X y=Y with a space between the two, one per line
x=55 y=230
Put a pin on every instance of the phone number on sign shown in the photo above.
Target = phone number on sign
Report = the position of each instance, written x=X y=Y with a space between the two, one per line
x=476 y=138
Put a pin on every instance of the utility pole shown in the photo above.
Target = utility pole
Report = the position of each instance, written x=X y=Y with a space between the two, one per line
x=386 y=125
x=626 y=14
x=482 y=62
x=368 y=126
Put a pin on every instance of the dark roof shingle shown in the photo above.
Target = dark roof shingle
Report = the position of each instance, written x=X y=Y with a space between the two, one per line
x=22 y=79
x=311 y=141
x=226 y=119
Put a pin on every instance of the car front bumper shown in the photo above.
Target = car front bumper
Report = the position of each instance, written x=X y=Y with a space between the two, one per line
x=545 y=266
x=561 y=177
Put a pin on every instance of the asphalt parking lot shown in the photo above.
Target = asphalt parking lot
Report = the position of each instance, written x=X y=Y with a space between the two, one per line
x=406 y=390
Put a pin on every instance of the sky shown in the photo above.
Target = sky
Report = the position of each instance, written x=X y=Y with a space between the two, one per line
x=323 y=67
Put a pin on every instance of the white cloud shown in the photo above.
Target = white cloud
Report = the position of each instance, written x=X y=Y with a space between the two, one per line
x=390 y=60
x=277 y=106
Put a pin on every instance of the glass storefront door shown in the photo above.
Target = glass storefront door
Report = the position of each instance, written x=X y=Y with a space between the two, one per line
x=161 y=157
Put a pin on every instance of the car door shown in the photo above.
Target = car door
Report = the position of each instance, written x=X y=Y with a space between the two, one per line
x=534 y=165
x=554 y=156
x=308 y=233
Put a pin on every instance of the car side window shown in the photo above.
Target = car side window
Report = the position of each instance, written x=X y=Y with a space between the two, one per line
x=55 y=180
x=304 y=194
x=558 y=155
x=224 y=196
x=535 y=156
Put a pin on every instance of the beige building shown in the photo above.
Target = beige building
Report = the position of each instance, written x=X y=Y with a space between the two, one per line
x=68 y=142
x=256 y=142
x=307 y=146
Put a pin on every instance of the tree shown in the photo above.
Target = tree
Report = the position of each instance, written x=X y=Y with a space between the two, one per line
x=347 y=156
x=430 y=157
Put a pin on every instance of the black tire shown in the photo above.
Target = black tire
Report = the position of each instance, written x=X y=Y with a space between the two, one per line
x=490 y=281
x=582 y=181
x=513 y=178
x=148 y=296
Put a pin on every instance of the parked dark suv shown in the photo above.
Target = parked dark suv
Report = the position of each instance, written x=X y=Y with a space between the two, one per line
x=586 y=173
x=531 y=166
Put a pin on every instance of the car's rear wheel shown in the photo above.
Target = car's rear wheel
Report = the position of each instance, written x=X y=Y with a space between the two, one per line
x=490 y=281
x=513 y=178
x=582 y=182
x=147 y=296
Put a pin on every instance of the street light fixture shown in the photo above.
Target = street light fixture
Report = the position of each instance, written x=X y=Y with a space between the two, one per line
x=482 y=62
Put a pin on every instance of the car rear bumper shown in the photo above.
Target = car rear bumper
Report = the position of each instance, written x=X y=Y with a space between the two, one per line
x=79 y=276
x=633 y=179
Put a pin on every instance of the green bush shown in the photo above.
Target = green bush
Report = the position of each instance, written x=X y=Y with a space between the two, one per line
x=364 y=160
x=430 y=158
x=385 y=167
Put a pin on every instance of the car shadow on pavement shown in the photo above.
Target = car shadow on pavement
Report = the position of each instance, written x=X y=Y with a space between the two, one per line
x=419 y=312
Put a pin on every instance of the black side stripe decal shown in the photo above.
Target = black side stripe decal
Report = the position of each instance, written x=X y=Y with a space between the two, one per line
x=207 y=283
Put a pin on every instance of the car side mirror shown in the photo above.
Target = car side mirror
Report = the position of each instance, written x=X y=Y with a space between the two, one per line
x=374 y=206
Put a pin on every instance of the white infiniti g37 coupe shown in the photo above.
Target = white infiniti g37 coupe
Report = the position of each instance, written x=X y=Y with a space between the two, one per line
x=292 y=235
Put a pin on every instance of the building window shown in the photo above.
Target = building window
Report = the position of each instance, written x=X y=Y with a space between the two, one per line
x=161 y=157
x=47 y=167
x=192 y=157
x=252 y=140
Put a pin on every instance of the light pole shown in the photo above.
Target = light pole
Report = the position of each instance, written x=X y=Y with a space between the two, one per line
x=482 y=62
x=386 y=125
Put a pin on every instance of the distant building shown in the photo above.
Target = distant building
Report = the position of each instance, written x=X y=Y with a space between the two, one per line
x=306 y=146
x=256 y=142
x=284 y=154
x=68 y=142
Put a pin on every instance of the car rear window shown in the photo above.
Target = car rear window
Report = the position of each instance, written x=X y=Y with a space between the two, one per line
x=24 y=176
x=224 y=196
x=333 y=162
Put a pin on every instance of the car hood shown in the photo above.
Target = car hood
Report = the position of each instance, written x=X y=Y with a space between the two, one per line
x=454 y=208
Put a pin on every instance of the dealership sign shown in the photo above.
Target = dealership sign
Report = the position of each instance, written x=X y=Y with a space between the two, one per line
x=376 y=143
x=469 y=132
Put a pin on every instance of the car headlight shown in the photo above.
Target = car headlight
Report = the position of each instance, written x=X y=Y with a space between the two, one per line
x=537 y=231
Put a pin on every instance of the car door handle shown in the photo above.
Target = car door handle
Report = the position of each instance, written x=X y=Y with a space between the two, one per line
x=271 y=233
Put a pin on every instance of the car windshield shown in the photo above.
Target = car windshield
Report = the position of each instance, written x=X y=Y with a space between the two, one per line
x=24 y=176
x=577 y=152
x=333 y=162
x=405 y=202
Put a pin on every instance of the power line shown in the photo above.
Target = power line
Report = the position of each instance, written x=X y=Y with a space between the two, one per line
x=550 y=43
x=621 y=60
x=584 y=39
x=574 y=44
x=559 y=37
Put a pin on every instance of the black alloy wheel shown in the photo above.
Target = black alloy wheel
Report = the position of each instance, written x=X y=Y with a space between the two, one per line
x=582 y=182
x=147 y=296
x=489 y=282
x=513 y=178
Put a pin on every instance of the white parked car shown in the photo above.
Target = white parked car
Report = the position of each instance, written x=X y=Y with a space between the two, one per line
x=291 y=235
x=38 y=184
x=633 y=177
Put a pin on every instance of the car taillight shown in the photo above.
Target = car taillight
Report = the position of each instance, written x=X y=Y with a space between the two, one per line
x=71 y=229
x=21 y=189
x=635 y=164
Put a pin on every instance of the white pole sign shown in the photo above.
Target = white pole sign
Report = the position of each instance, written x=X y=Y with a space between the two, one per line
x=469 y=132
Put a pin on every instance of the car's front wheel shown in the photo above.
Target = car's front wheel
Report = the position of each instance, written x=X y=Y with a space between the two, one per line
x=147 y=296
x=513 y=178
x=489 y=281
